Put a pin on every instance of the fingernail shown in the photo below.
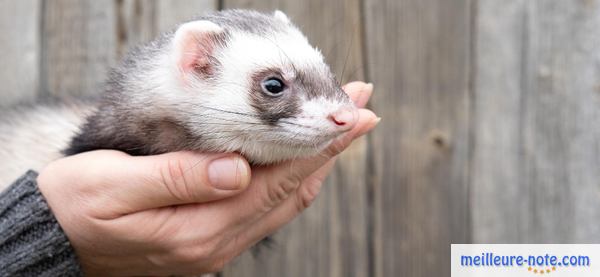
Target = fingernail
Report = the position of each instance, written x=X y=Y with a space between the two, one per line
x=369 y=126
x=376 y=121
x=364 y=96
x=227 y=173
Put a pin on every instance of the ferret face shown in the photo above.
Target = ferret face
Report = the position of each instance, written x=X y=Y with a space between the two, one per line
x=265 y=93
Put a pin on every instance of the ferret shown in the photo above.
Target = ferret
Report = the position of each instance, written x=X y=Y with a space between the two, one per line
x=229 y=81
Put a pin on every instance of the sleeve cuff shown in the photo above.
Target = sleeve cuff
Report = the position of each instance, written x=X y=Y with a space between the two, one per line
x=32 y=243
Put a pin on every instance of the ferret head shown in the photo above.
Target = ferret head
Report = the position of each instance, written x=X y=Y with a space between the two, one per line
x=251 y=83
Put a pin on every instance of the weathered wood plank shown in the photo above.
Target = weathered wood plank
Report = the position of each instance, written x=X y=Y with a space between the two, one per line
x=141 y=20
x=418 y=57
x=534 y=113
x=82 y=39
x=136 y=23
x=19 y=51
x=79 y=43
x=169 y=13
x=537 y=122
x=499 y=194
x=331 y=237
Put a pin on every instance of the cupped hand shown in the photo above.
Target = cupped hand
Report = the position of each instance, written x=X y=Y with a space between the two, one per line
x=183 y=212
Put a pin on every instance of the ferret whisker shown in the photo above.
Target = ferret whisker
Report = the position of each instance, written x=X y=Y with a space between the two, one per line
x=194 y=165
x=322 y=155
x=334 y=47
x=226 y=111
x=241 y=86
x=231 y=120
x=296 y=155
x=283 y=52
x=215 y=109
x=244 y=119
x=352 y=74
x=218 y=124
x=253 y=116
x=300 y=125
x=356 y=29
x=347 y=58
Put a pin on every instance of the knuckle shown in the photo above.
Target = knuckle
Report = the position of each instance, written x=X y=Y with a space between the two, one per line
x=279 y=191
x=191 y=255
x=185 y=256
x=302 y=203
x=217 y=265
x=306 y=196
x=336 y=147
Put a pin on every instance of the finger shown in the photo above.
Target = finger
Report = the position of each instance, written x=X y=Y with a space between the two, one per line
x=284 y=213
x=288 y=175
x=176 y=178
x=367 y=120
x=272 y=185
x=353 y=89
x=359 y=92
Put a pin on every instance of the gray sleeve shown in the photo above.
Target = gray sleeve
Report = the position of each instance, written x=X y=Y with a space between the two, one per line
x=31 y=241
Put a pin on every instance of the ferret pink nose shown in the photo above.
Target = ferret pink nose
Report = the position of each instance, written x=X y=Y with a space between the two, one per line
x=344 y=119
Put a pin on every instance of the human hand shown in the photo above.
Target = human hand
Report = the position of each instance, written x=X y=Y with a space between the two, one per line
x=182 y=212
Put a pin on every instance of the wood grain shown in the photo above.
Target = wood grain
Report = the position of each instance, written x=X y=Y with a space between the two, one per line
x=83 y=39
x=170 y=13
x=19 y=51
x=136 y=23
x=490 y=130
x=79 y=44
x=418 y=57
x=537 y=126
x=497 y=125
x=141 y=20
x=331 y=237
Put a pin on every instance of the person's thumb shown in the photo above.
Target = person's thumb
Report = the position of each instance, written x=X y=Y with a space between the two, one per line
x=179 y=178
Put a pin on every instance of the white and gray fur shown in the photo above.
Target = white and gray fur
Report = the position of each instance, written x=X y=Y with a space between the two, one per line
x=152 y=105
x=32 y=136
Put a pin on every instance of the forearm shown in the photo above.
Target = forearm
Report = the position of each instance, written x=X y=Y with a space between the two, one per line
x=32 y=242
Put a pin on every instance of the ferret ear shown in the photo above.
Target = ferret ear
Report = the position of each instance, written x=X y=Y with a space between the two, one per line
x=194 y=44
x=279 y=15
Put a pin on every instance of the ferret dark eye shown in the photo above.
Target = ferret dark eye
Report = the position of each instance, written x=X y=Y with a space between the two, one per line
x=273 y=86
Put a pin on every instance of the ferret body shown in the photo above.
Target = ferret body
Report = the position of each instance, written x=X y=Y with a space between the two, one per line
x=229 y=81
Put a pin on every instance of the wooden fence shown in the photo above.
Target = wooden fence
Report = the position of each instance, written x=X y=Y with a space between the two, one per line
x=490 y=131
